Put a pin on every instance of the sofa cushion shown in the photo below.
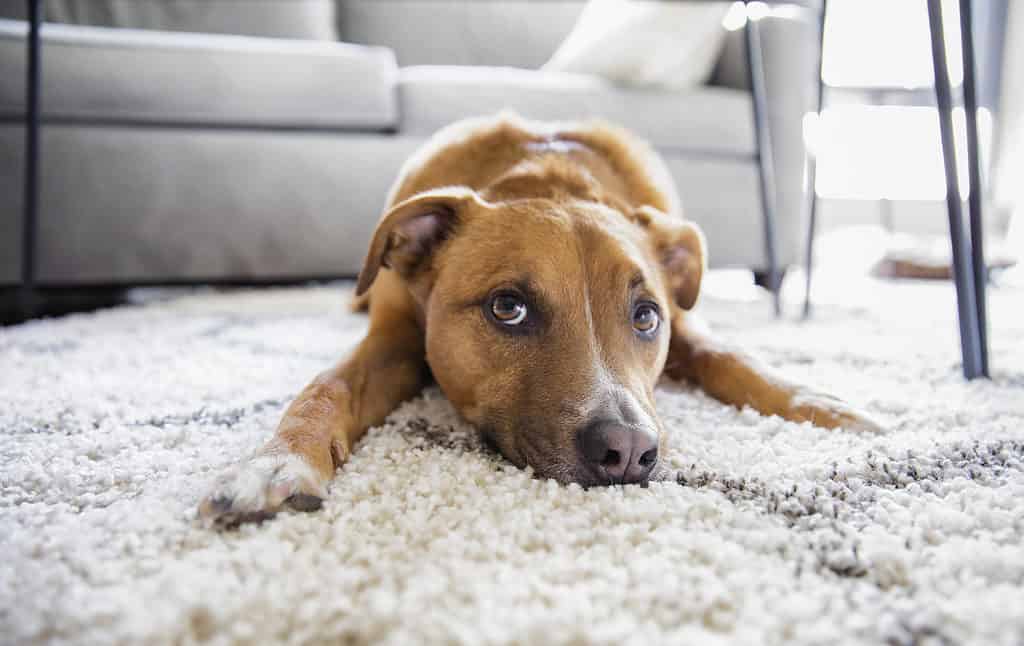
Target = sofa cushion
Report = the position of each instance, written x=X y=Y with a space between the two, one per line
x=123 y=75
x=126 y=204
x=517 y=33
x=202 y=204
x=708 y=120
x=307 y=19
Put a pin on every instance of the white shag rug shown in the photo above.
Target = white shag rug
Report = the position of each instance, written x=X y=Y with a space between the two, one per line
x=114 y=424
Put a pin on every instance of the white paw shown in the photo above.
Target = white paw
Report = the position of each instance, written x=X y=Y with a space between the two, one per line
x=259 y=487
x=827 y=411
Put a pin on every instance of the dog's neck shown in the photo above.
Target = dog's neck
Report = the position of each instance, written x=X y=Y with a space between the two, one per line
x=544 y=177
x=552 y=169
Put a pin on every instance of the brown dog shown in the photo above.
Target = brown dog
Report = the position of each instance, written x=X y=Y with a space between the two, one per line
x=542 y=275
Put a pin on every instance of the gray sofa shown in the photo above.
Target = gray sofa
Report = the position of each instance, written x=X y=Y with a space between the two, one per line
x=172 y=157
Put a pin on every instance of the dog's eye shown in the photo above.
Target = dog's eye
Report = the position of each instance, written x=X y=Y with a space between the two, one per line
x=646 y=318
x=508 y=309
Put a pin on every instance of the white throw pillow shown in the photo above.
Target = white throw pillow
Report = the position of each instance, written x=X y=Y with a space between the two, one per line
x=644 y=42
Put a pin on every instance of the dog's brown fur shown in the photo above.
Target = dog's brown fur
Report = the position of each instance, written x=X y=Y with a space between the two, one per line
x=584 y=219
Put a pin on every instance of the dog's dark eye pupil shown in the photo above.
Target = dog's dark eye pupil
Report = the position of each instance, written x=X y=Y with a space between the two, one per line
x=508 y=309
x=645 y=318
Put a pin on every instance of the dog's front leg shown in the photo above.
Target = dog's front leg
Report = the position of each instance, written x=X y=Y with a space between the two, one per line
x=320 y=427
x=736 y=378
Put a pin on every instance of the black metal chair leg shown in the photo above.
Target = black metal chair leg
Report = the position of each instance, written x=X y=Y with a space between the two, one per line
x=974 y=200
x=812 y=171
x=966 y=310
x=766 y=170
x=30 y=198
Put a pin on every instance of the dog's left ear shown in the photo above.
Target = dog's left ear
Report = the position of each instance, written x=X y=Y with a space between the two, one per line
x=410 y=233
x=680 y=248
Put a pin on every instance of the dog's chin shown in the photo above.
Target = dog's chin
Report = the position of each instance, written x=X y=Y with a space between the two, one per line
x=564 y=471
x=545 y=467
x=522 y=454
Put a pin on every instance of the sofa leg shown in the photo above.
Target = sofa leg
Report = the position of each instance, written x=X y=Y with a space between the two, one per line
x=963 y=274
x=764 y=278
x=810 y=190
x=765 y=162
x=978 y=267
x=30 y=197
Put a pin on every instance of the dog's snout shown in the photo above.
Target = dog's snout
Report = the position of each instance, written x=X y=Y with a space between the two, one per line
x=623 y=454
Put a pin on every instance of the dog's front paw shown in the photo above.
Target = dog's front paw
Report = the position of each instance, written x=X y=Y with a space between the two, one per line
x=827 y=411
x=257 y=488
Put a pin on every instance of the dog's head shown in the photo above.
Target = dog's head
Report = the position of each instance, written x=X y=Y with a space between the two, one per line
x=547 y=322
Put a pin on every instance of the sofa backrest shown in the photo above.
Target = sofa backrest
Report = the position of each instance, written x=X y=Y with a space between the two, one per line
x=516 y=33
x=300 y=19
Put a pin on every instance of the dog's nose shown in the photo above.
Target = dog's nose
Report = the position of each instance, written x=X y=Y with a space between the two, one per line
x=625 y=454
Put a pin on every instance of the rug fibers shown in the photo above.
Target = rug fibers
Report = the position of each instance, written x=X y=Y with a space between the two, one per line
x=113 y=424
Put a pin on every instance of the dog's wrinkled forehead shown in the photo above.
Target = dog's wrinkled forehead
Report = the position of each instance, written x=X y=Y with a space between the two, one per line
x=563 y=251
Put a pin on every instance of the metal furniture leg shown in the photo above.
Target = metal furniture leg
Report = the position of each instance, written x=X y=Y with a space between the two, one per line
x=812 y=170
x=966 y=310
x=30 y=197
x=974 y=199
x=766 y=174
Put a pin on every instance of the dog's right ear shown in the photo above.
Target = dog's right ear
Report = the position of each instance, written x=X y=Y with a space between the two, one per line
x=412 y=230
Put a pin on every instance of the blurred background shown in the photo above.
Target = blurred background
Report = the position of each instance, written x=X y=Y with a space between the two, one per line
x=253 y=142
